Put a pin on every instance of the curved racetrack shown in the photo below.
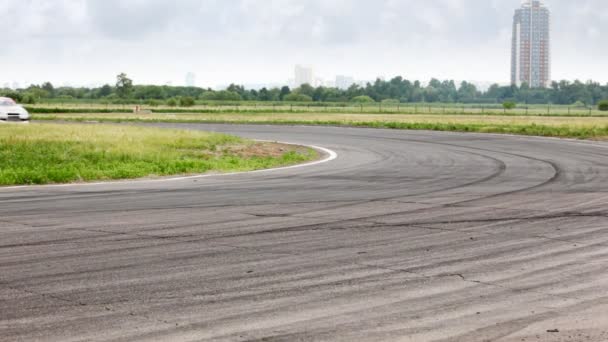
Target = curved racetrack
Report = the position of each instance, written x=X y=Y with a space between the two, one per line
x=410 y=236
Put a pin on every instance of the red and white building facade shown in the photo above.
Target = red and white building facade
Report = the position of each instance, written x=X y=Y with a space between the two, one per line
x=531 y=51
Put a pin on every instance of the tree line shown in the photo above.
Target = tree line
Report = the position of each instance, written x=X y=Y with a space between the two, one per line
x=397 y=90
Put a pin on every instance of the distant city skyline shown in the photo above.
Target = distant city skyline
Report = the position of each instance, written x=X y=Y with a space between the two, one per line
x=339 y=81
x=88 y=42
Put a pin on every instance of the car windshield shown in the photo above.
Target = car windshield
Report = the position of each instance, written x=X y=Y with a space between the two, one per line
x=7 y=102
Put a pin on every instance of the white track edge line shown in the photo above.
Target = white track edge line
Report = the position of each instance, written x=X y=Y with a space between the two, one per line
x=331 y=156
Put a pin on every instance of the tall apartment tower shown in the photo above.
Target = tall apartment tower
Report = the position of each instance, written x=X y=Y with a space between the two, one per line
x=344 y=82
x=531 y=51
x=304 y=75
x=190 y=79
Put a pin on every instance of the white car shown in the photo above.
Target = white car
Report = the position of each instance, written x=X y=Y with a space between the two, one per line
x=11 y=111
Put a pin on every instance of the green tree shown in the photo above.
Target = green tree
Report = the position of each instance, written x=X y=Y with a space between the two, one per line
x=48 y=87
x=29 y=98
x=222 y=95
x=274 y=94
x=37 y=93
x=105 y=90
x=509 y=105
x=186 y=101
x=306 y=89
x=264 y=95
x=467 y=92
x=124 y=86
x=284 y=92
x=603 y=106
x=17 y=97
x=171 y=102
x=431 y=93
x=319 y=94
x=297 y=97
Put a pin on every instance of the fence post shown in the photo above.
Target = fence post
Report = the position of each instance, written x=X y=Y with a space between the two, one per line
x=590 y=111
x=380 y=107
x=416 y=109
x=429 y=109
x=361 y=108
x=398 y=108
x=482 y=110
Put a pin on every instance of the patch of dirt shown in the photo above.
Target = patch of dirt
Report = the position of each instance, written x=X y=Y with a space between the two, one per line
x=262 y=149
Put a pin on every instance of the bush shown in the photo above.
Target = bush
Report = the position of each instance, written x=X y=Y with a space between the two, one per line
x=509 y=105
x=154 y=103
x=28 y=99
x=171 y=102
x=186 y=101
x=295 y=97
x=15 y=96
x=119 y=101
x=391 y=101
x=222 y=95
x=603 y=106
x=110 y=98
x=578 y=104
x=363 y=99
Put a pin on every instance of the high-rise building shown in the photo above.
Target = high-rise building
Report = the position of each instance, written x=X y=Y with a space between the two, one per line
x=344 y=82
x=304 y=75
x=190 y=79
x=531 y=51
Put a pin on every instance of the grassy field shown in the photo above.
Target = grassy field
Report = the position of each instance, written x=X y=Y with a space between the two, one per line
x=554 y=126
x=51 y=153
x=347 y=108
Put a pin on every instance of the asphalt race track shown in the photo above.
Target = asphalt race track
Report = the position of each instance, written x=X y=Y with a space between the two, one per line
x=406 y=236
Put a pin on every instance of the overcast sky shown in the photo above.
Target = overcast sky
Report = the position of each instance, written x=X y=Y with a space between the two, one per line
x=259 y=41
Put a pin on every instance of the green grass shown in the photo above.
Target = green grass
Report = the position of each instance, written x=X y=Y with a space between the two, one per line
x=409 y=109
x=50 y=153
x=565 y=127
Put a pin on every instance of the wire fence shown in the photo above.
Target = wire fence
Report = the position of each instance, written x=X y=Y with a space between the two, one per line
x=376 y=108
